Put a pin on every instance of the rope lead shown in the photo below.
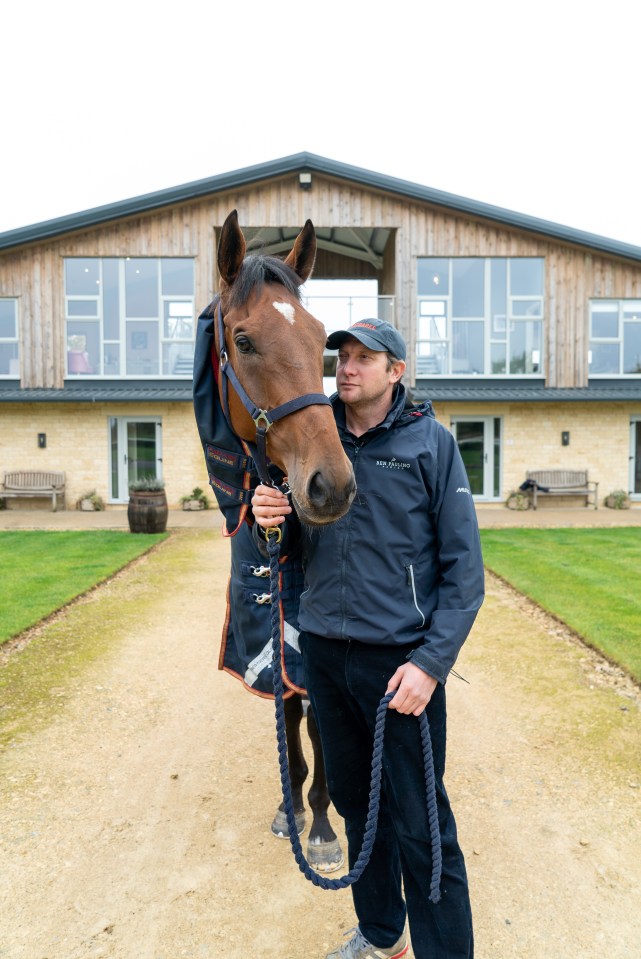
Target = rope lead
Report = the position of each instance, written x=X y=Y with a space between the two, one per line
x=273 y=548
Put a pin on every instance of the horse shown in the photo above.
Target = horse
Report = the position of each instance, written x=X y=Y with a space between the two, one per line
x=257 y=340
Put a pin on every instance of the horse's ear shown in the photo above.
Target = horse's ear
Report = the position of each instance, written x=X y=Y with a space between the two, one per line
x=301 y=259
x=231 y=249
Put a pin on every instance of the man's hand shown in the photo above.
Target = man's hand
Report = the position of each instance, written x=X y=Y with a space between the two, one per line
x=269 y=506
x=414 y=688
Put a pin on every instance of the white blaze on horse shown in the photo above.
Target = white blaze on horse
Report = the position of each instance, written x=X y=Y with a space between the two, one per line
x=262 y=416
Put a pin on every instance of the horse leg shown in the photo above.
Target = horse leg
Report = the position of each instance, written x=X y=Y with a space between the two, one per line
x=324 y=852
x=298 y=768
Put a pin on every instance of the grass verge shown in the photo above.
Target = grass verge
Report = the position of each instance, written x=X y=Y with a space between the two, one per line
x=589 y=578
x=43 y=570
x=39 y=682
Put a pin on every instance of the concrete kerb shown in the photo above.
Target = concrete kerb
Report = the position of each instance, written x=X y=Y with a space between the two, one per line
x=497 y=516
x=115 y=518
x=490 y=516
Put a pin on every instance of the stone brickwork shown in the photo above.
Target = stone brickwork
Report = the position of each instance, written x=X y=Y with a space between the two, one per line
x=531 y=439
x=78 y=444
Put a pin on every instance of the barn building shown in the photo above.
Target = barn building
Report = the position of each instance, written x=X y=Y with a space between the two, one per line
x=525 y=334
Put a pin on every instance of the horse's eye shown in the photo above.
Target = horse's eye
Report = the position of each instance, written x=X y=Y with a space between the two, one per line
x=243 y=345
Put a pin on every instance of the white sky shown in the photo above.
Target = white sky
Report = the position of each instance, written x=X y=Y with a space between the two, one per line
x=530 y=106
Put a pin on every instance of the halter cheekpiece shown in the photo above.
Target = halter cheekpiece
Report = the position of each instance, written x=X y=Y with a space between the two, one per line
x=263 y=419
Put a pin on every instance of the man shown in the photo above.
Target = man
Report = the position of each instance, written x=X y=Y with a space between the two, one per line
x=392 y=591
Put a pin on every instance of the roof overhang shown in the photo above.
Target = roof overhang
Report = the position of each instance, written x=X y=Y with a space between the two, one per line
x=103 y=392
x=311 y=163
x=451 y=391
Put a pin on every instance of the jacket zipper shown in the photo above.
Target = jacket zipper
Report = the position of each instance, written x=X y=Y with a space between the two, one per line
x=344 y=557
x=410 y=582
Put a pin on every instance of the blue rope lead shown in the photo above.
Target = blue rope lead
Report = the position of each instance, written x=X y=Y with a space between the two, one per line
x=371 y=823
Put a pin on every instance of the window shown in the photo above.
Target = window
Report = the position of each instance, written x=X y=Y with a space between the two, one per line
x=479 y=316
x=9 y=346
x=130 y=317
x=615 y=337
x=338 y=304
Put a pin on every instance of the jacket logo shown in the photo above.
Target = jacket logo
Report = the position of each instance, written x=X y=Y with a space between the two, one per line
x=463 y=489
x=393 y=464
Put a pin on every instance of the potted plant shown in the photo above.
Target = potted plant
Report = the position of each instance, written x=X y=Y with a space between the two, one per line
x=147 y=510
x=90 y=501
x=195 y=500
x=518 y=499
x=618 y=499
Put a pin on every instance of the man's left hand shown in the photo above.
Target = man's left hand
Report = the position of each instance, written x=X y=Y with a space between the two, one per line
x=414 y=688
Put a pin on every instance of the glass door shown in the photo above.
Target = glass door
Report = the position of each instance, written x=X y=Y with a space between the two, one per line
x=135 y=452
x=479 y=440
x=635 y=457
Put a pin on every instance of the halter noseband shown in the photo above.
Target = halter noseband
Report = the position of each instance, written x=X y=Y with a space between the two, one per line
x=263 y=419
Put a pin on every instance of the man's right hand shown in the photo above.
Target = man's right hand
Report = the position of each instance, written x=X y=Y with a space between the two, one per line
x=269 y=506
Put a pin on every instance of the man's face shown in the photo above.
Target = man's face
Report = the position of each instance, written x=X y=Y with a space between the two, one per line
x=362 y=376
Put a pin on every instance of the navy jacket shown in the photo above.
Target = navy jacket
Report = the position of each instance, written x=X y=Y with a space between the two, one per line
x=404 y=565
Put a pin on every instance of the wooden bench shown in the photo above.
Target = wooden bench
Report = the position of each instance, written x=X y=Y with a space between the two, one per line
x=34 y=483
x=562 y=483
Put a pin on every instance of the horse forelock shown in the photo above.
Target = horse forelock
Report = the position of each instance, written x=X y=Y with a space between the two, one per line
x=256 y=270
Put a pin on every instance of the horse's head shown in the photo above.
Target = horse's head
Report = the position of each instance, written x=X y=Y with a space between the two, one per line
x=275 y=348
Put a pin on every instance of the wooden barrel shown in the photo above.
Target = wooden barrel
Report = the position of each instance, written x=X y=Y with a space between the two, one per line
x=147 y=511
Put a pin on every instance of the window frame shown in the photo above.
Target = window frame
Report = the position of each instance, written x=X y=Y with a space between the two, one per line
x=126 y=327
x=512 y=320
x=13 y=340
x=618 y=340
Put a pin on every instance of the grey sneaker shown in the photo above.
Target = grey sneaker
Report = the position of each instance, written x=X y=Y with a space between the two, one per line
x=358 y=947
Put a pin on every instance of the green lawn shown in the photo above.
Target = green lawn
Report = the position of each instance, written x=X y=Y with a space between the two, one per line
x=40 y=571
x=589 y=578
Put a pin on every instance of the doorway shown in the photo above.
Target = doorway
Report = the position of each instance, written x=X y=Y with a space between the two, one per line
x=479 y=440
x=635 y=457
x=135 y=447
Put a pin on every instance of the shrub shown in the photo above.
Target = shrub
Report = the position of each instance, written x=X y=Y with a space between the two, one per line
x=146 y=484
x=197 y=494
x=518 y=500
x=618 y=499
x=97 y=501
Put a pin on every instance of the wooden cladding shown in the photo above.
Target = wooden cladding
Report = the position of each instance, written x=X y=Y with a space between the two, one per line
x=573 y=275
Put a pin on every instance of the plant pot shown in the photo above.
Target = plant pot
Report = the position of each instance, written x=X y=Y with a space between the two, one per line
x=87 y=505
x=518 y=500
x=617 y=502
x=193 y=504
x=147 y=511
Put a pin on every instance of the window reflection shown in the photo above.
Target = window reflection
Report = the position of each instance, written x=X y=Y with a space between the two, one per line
x=131 y=316
x=9 y=345
x=480 y=315
x=615 y=338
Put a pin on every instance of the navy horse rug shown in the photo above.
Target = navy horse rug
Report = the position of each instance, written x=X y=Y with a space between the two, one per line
x=246 y=646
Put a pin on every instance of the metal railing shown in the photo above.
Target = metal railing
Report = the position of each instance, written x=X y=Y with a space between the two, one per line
x=339 y=312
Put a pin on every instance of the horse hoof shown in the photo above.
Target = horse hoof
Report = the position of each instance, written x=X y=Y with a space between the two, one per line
x=325 y=856
x=280 y=828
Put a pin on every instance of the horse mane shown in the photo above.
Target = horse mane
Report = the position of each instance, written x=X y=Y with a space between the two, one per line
x=258 y=269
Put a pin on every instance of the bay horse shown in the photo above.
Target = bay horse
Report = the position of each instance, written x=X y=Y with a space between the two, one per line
x=263 y=417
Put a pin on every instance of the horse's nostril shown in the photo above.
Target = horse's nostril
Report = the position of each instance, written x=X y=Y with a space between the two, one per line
x=322 y=494
x=318 y=490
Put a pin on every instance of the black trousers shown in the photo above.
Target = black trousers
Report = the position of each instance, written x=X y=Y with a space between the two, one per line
x=345 y=682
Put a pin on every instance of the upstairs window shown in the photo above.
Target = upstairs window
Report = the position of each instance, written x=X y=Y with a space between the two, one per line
x=9 y=345
x=479 y=316
x=130 y=317
x=615 y=337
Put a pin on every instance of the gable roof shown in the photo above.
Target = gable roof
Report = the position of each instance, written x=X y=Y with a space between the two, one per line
x=312 y=163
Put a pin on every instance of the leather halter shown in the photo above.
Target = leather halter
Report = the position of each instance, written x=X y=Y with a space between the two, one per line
x=263 y=419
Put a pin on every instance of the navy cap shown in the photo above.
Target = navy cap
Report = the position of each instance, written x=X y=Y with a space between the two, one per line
x=375 y=334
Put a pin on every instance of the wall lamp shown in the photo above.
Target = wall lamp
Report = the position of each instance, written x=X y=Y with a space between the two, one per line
x=305 y=181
